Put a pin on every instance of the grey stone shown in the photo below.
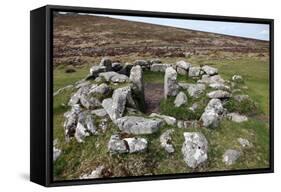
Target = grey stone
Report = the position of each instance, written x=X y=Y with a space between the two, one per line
x=120 y=78
x=136 y=144
x=194 y=71
x=236 y=117
x=96 y=70
x=56 y=153
x=71 y=118
x=89 y=102
x=103 y=125
x=168 y=119
x=216 y=105
x=155 y=61
x=211 y=79
x=136 y=77
x=166 y=141
x=158 y=67
x=126 y=145
x=105 y=61
x=219 y=94
x=97 y=173
x=181 y=99
x=80 y=133
x=241 y=98
x=126 y=69
x=237 y=78
x=115 y=107
x=230 y=156
x=185 y=85
x=113 y=77
x=142 y=63
x=102 y=89
x=139 y=125
x=196 y=90
x=244 y=143
x=219 y=86
x=210 y=70
x=210 y=119
x=194 y=149
x=116 y=145
x=116 y=66
x=194 y=107
x=171 y=87
x=182 y=67
x=99 y=112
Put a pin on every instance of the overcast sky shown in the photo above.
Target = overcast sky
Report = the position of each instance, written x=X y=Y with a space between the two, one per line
x=255 y=31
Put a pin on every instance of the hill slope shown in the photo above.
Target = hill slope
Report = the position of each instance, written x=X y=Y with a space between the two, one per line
x=82 y=35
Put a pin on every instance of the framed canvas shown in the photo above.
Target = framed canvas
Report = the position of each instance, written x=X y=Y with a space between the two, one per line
x=125 y=95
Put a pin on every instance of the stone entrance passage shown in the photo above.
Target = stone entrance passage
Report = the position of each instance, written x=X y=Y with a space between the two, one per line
x=153 y=93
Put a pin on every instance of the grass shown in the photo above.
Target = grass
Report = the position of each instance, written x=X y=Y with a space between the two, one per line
x=81 y=158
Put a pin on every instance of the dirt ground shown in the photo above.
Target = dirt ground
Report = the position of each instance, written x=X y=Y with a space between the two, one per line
x=153 y=93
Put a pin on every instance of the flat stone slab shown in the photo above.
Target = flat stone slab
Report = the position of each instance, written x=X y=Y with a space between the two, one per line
x=139 y=125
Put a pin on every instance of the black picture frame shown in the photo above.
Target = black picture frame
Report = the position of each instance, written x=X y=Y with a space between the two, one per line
x=41 y=94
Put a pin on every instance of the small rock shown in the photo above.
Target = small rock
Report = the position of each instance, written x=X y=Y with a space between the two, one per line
x=182 y=67
x=194 y=107
x=236 y=117
x=244 y=143
x=210 y=70
x=157 y=67
x=102 y=89
x=211 y=79
x=230 y=156
x=99 y=112
x=219 y=94
x=166 y=141
x=194 y=71
x=210 y=119
x=96 y=70
x=237 y=78
x=180 y=124
x=136 y=144
x=181 y=99
x=168 y=119
x=194 y=149
x=138 y=125
x=56 y=153
x=195 y=90
x=97 y=173
x=216 y=105
x=219 y=86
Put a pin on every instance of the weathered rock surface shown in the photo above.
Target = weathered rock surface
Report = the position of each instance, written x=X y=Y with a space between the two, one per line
x=85 y=126
x=236 y=117
x=210 y=70
x=237 y=78
x=114 y=77
x=166 y=141
x=194 y=149
x=142 y=63
x=139 y=125
x=116 y=66
x=194 y=71
x=56 y=153
x=244 y=143
x=182 y=67
x=71 y=118
x=96 y=70
x=136 y=77
x=159 y=67
x=97 y=173
x=230 y=156
x=210 y=119
x=171 y=87
x=181 y=99
x=126 y=145
x=219 y=86
x=211 y=79
x=102 y=89
x=195 y=90
x=216 y=105
x=99 y=112
x=168 y=119
x=115 y=106
x=219 y=94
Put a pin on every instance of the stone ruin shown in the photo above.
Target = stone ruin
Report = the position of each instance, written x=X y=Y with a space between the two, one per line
x=114 y=92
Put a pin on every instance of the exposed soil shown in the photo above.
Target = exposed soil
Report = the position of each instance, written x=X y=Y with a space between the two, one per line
x=153 y=93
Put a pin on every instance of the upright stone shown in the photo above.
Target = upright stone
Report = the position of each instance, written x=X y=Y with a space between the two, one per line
x=171 y=87
x=136 y=76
